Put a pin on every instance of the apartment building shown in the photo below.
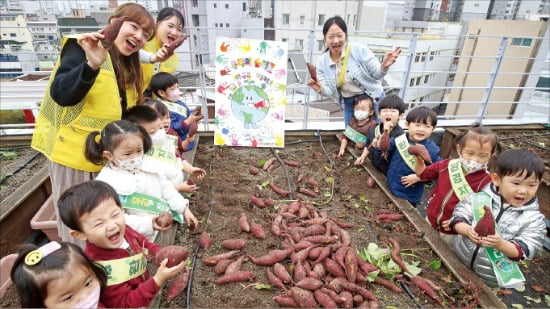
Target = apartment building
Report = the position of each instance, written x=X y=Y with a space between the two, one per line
x=519 y=47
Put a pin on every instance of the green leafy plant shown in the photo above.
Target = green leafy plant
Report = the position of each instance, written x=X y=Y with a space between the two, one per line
x=380 y=257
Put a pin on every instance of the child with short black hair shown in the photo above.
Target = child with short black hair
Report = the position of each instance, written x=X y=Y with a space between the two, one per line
x=166 y=88
x=57 y=275
x=172 y=135
x=157 y=159
x=401 y=177
x=93 y=212
x=121 y=144
x=391 y=109
x=456 y=178
x=358 y=127
x=520 y=227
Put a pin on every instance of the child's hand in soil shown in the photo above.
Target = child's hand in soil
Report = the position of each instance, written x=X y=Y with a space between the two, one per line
x=190 y=219
x=185 y=187
x=198 y=172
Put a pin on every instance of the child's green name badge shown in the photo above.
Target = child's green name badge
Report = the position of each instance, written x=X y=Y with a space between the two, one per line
x=507 y=271
x=147 y=203
x=355 y=136
x=124 y=269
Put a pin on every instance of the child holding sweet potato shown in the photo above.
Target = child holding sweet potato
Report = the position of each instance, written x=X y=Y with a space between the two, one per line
x=93 y=212
x=520 y=228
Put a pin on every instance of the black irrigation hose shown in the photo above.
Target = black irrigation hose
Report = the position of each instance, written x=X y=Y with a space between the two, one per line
x=19 y=168
x=211 y=203
x=283 y=165
x=323 y=147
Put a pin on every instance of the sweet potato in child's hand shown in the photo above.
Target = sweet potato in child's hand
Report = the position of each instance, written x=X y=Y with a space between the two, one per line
x=385 y=141
x=164 y=220
x=486 y=226
x=174 y=254
x=420 y=150
x=111 y=31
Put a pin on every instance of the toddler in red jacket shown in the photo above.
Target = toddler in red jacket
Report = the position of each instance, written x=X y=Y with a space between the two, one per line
x=456 y=178
x=93 y=212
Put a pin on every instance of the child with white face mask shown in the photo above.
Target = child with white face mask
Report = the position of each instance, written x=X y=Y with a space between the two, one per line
x=358 y=127
x=456 y=178
x=165 y=87
x=121 y=145
x=57 y=275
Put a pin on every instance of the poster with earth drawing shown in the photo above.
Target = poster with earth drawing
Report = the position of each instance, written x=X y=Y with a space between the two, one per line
x=250 y=92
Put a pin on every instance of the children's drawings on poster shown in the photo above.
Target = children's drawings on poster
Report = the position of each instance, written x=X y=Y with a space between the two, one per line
x=250 y=92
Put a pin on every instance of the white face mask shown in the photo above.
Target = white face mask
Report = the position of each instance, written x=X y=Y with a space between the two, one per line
x=91 y=301
x=130 y=165
x=159 y=137
x=361 y=115
x=173 y=95
x=471 y=166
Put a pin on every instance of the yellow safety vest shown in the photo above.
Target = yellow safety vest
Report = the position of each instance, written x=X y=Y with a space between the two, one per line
x=170 y=65
x=61 y=132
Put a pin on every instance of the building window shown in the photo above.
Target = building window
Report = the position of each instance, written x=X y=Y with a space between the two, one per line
x=302 y=19
x=417 y=57
x=426 y=78
x=476 y=5
x=299 y=44
x=226 y=6
x=321 y=21
x=432 y=56
x=421 y=99
x=226 y=25
x=522 y=42
x=354 y=19
x=244 y=6
x=411 y=83
x=195 y=19
x=216 y=25
x=13 y=35
x=424 y=56
x=320 y=45
x=286 y=19
x=215 y=5
x=347 y=20
x=221 y=25
x=543 y=84
x=284 y=39
x=417 y=81
x=195 y=3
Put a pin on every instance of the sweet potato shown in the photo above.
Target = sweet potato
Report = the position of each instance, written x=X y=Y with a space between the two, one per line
x=300 y=256
x=340 y=255
x=319 y=269
x=312 y=71
x=268 y=163
x=314 y=229
x=239 y=276
x=204 y=240
x=292 y=163
x=348 y=299
x=350 y=262
x=193 y=127
x=178 y=285
x=426 y=288
x=283 y=301
x=280 y=271
x=271 y=258
x=213 y=260
x=233 y=244
x=303 y=212
x=312 y=183
x=321 y=239
x=299 y=272
x=198 y=111
x=335 y=297
x=309 y=284
x=300 y=178
x=371 y=182
x=110 y=32
x=307 y=192
x=275 y=226
x=278 y=190
x=243 y=223
x=294 y=207
x=395 y=254
x=303 y=298
x=385 y=141
x=269 y=202
x=170 y=48
x=174 y=254
x=222 y=266
x=257 y=230
x=333 y=268
x=388 y=217
x=486 y=225
x=190 y=182
x=165 y=219
x=256 y=201
x=235 y=266
x=314 y=253
x=274 y=280
x=325 y=252
x=324 y=299
x=388 y=284
x=253 y=170
x=339 y=284
x=420 y=150
x=365 y=266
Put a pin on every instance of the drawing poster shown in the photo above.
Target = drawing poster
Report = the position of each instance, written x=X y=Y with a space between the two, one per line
x=250 y=92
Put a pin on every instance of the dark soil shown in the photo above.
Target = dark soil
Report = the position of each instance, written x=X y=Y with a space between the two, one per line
x=225 y=192
x=17 y=165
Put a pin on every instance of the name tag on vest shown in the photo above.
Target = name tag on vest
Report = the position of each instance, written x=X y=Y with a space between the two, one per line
x=147 y=203
x=402 y=145
x=125 y=269
x=355 y=136
x=458 y=180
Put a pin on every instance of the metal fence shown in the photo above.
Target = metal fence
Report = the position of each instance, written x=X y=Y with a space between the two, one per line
x=533 y=72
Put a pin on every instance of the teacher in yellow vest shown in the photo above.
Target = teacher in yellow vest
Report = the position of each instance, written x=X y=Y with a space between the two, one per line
x=169 y=27
x=89 y=88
